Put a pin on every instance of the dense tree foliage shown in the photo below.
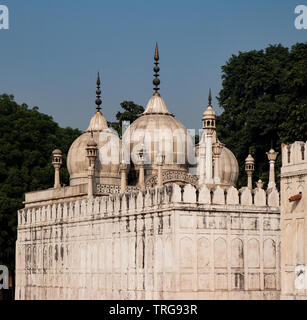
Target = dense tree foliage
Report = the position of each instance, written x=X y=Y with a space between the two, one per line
x=264 y=97
x=130 y=113
x=27 y=139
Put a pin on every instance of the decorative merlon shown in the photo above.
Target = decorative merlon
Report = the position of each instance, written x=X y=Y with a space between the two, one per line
x=294 y=154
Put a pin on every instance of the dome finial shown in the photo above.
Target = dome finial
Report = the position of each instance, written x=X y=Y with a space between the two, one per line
x=210 y=98
x=156 y=52
x=156 y=69
x=98 y=93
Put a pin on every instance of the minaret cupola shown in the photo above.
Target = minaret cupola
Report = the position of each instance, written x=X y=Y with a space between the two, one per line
x=209 y=117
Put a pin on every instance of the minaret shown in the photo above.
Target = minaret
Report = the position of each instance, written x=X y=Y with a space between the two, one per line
x=209 y=118
x=272 y=155
x=91 y=154
x=57 y=162
x=249 y=168
x=156 y=69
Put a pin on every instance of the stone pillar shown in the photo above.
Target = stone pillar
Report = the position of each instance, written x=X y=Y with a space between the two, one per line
x=57 y=162
x=160 y=172
x=141 y=176
x=250 y=180
x=123 y=177
x=202 y=162
x=141 y=166
x=90 y=182
x=91 y=154
x=217 y=150
x=209 y=174
x=249 y=168
x=272 y=155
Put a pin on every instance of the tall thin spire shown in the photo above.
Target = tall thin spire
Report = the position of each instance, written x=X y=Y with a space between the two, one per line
x=156 y=69
x=210 y=98
x=98 y=93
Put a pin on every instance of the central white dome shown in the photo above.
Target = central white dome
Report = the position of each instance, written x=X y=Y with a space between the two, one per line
x=160 y=133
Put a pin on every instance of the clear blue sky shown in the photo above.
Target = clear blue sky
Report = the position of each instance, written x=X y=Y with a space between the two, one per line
x=53 y=50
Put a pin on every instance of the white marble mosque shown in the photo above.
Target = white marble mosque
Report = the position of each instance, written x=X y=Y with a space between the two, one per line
x=152 y=216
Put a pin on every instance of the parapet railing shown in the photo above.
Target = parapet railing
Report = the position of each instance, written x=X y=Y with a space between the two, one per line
x=148 y=200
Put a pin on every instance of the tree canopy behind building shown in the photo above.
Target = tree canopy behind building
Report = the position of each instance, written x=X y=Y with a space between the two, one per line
x=27 y=139
x=264 y=97
x=130 y=112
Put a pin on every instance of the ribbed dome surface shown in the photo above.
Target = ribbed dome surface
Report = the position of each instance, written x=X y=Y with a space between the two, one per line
x=209 y=112
x=107 y=162
x=98 y=122
x=156 y=105
x=229 y=168
x=160 y=132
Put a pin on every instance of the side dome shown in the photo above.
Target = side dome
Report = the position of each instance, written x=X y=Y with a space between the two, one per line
x=229 y=168
x=160 y=132
x=228 y=165
x=108 y=160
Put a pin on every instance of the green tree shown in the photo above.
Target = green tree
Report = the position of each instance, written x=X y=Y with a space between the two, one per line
x=27 y=139
x=130 y=113
x=264 y=97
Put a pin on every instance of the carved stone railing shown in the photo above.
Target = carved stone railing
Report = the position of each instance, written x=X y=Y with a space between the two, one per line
x=172 y=176
x=146 y=200
x=106 y=189
x=131 y=189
